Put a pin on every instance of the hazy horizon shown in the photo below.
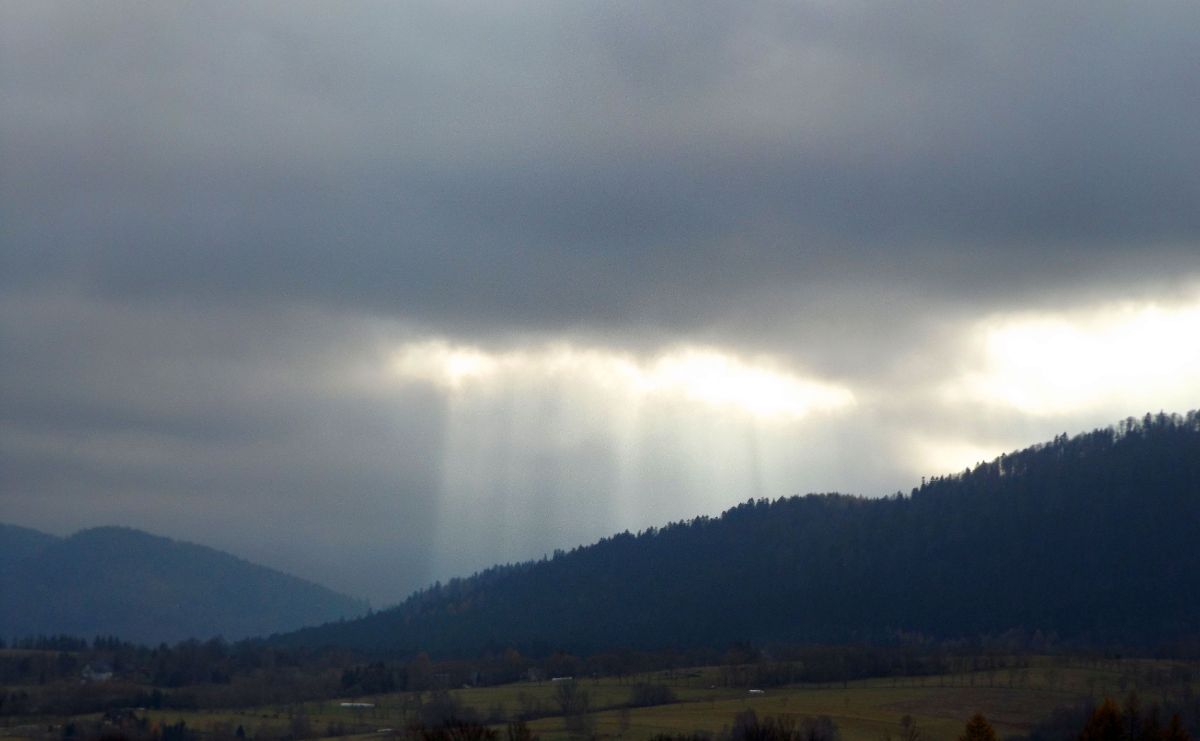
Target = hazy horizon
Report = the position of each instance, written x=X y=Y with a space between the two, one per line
x=378 y=295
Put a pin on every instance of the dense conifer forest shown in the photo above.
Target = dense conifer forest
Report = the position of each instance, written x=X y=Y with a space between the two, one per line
x=1082 y=541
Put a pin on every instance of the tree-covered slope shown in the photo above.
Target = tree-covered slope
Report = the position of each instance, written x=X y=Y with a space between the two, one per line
x=1094 y=538
x=137 y=586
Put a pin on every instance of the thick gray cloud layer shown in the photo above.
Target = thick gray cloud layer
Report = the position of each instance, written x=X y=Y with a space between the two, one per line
x=216 y=219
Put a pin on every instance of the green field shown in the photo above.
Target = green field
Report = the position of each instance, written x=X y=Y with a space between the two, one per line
x=1013 y=699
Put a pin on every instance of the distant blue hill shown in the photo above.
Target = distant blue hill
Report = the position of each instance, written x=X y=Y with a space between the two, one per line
x=144 y=588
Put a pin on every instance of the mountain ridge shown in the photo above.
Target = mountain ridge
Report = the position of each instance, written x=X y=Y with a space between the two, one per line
x=1087 y=539
x=117 y=580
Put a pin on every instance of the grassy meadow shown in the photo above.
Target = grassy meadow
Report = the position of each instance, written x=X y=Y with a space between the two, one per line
x=1012 y=699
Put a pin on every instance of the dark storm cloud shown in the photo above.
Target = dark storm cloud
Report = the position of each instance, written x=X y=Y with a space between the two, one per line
x=425 y=161
x=207 y=210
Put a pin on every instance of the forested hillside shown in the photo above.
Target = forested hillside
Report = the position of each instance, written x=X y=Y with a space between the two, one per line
x=127 y=583
x=1093 y=539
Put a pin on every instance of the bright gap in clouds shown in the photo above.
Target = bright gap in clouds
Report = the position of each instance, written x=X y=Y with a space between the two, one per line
x=702 y=375
x=1120 y=359
x=1023 y=377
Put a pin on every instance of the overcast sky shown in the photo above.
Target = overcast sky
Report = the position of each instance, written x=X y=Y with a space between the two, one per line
x=382 y=293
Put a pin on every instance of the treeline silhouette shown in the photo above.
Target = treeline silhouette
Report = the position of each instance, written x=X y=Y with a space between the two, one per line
x=1083 y=541
x=62 y=675
x=65 y=675
x=1175 y=717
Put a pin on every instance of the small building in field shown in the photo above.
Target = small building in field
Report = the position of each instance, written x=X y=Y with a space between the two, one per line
x=97 y=671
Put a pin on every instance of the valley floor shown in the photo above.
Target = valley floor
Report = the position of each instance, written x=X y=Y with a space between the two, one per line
x=867 y=710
